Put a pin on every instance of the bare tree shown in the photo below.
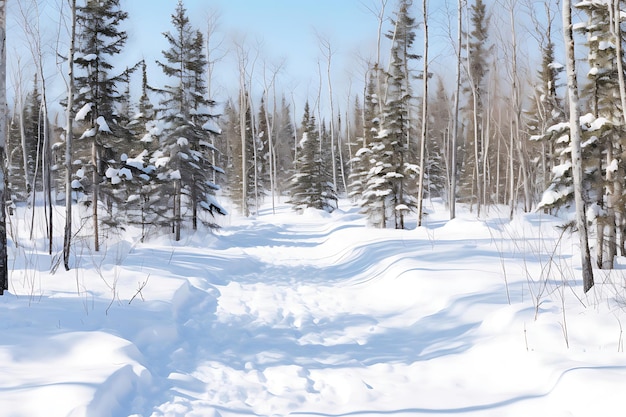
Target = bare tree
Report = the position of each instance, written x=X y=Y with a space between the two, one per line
x=270 y=122
x=326 y=48
x=33 y=32
x=213 y=55
x=67 y=237
x=4 y=270
x=420 y=188
x=575 y=139
x=455 y=119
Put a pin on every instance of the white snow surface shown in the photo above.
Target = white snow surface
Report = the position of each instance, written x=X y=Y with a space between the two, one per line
x=313 y=315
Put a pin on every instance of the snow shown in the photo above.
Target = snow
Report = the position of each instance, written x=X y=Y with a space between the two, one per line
x=103 y=125
x=313 y=314
x=212 y=126
x=83 y=112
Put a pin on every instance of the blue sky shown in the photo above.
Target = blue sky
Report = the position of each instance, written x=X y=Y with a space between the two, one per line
x=286 y=30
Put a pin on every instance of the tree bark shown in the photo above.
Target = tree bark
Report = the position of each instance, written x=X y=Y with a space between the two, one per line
x=422 y=164
x=455 y=127
x=575 y=137
x=67 y=237
x=4 y=270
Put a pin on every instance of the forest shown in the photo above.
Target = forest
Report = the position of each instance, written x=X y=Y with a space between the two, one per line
x=541 y=136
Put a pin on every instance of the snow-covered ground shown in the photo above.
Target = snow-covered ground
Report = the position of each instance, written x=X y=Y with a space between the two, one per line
x=314 y=315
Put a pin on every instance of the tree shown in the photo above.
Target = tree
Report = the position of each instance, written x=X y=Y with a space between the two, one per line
x=311 y=186
x=546 y=109
x=476 y=69
x=4 y=267
x=366 y=119
x=575 y=139
x=238 y=149
x=186 y=146
x=455 y=127
x=603 y=89
x=396 y=129
x=69 y=113
x=424 y=138
x=99 y=40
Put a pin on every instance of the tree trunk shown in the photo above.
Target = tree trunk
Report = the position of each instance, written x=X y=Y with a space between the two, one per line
x=422 y=164
x=575 y=137
x=4 y=270
x=67 y=237
x=455 y=127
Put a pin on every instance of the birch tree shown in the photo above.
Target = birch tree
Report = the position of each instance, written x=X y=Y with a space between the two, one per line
x=67 y=234
x=4 y=270
x=575 y=139
x=420 y=189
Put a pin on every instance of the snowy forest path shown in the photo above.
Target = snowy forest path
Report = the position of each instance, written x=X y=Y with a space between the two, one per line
x=307 y=316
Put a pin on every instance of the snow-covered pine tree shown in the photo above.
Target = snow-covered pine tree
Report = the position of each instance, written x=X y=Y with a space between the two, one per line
x=546 y=109
x=392 y=173
x=184 y=158
x=437 y=168
x=309 y=184
x=365 y=124
x=99 y=41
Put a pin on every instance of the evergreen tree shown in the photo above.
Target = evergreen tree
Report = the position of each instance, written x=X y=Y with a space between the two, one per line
x=235 y=156
x=99 y=40
x=310 y=187
x=364 y=128
x=391 y=177
x=284 y=144
x=546 y=110
x=438 y=169
x=186 y=148
x=33 y=126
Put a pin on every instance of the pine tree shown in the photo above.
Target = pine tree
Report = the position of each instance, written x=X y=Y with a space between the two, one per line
x=188 y=124
x=284 y=144
x=99 y=40
x=391 y=176
x=310 y=186
x=364 y=127
x=546 y=110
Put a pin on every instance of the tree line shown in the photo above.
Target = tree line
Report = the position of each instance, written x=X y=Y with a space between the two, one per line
x=500 y=133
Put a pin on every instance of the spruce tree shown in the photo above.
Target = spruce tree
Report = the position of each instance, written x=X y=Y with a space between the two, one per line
x=284 y=144
x=364 y=126
x=546 y=109
x=390 y=180
x=310 y=186
x=99 y=41
x=185 y=148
